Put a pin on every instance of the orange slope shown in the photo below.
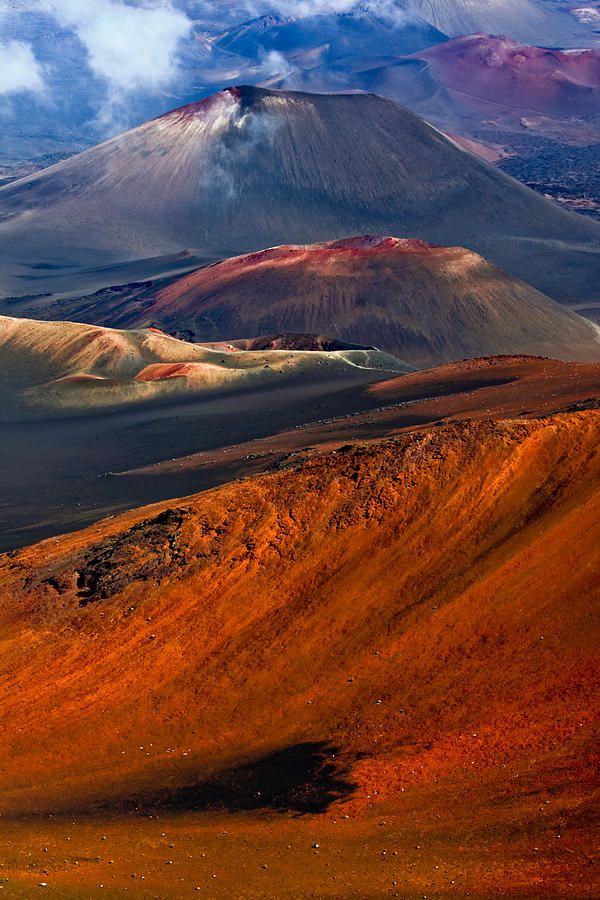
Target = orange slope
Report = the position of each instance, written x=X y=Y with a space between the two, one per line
x=425 y=606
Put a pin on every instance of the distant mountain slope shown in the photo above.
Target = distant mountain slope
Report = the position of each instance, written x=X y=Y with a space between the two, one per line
x=222 y=49
x=249 y=168
x=329 y=36
x=507 y=73
x=471 y=79
x=423 y=303
x=523 y=20
x=513 y=99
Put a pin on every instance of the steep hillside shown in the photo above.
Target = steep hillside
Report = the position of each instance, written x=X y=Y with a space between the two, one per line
x=408 y=626
x=250 y=168
x=363 y=31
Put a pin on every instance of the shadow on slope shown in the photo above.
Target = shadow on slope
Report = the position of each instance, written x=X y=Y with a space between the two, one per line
x=302 y=778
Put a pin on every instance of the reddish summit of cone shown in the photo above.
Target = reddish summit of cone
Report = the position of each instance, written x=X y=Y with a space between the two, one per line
x=422 y=302
x=375 y=243
x=199 y=108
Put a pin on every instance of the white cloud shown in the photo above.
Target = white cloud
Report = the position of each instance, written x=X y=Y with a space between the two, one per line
x=130 y=47
x=397 y=12
x=20 y=71
x=274 y=63
x=302 y=8
x=394 y=10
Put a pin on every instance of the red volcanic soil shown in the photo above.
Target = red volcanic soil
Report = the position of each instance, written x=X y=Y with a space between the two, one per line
x=160 y=371
x=61 y=474
x=208 y=106
x=396 y=641
x=423 y=303
x=505 y=385
x=502 y=72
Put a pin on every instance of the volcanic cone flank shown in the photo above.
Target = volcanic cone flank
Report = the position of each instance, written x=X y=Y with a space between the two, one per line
x=423 y=303
x=249 y=168
x=320 y=606
x=485 y=68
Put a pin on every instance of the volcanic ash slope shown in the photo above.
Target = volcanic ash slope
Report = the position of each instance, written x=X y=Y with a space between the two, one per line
x=249 y=168
x=483 y=68
x=423 y=303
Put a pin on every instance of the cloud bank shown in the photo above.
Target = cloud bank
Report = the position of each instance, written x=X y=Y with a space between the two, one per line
x=222 y=11
x=396 y=12
x=20 y=72
x=131 y=48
